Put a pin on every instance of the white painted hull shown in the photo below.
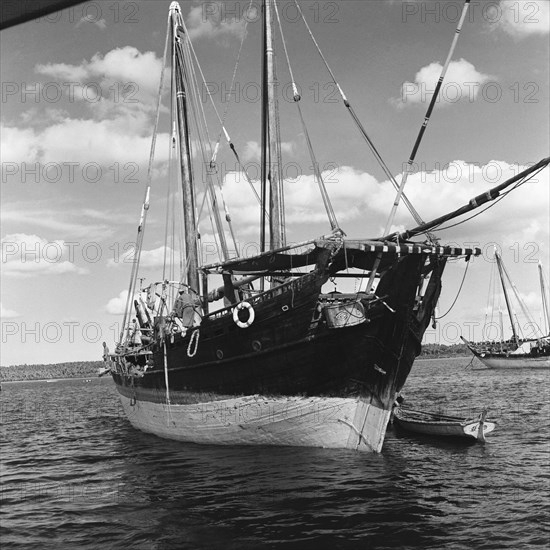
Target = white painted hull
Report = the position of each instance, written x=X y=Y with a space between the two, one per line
x=338 y=423
x=515 y=362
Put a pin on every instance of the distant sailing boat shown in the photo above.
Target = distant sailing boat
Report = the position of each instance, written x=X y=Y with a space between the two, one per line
x=279 y=362
x=516 y=352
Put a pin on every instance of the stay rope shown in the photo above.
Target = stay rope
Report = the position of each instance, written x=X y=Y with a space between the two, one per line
x=203 y=137
x=358 y=123
x=221 y=120
x=431 y=106
x=457 y=294
x=318 y=176
x=145 y=206
x=235 y=69
x=522 y=305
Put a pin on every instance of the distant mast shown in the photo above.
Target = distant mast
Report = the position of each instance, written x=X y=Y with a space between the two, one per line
x=506 y=297
x=544 y=300
x=273 y=161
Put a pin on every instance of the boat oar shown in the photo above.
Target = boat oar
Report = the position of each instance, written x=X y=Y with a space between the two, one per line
x=433 y=415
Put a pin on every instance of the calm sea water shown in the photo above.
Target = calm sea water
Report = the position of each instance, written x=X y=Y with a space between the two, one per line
x=75 y=474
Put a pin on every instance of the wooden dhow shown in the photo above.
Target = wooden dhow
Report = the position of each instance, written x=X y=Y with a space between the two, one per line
x=276 y=359
x=516 y=352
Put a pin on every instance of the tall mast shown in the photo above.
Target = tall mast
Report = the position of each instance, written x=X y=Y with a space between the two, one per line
x=276 y=228
x=178 y=82
x=544 y=298
x=263 y=159
x=500 y=271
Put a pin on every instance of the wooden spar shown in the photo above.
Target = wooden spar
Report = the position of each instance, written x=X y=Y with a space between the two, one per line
x=506 y=297
x=474 y=203
x=275 y=170
x=408 y=169
x=190 y=228
x=544 y=300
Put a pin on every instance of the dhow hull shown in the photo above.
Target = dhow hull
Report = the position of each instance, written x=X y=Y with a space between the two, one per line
x=515 y=362
x=336 y=423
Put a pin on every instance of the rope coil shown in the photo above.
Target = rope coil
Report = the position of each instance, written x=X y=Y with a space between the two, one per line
x=193 y=341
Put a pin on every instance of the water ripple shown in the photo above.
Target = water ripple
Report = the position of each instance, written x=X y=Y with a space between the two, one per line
x=76 y=475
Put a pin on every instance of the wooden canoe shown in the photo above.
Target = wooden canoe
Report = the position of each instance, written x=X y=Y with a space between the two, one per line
x=439 y=425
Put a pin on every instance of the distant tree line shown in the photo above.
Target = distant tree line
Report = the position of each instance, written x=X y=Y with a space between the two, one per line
x=441 y=350
x=77 y=369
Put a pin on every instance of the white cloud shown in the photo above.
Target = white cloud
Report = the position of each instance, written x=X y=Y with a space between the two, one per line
x=26 y=255
x=210 y=21
x=56 y=221
x=112 y=75
x=462 y=83
x=120 y=91
x=252 y=151
x=64 y=72
x=91 y=19
x=34 y=117
x=357 y=195
x=84 y=142
x=7 y=313
x=116 y=306
x=520 y=19
x=149 y=258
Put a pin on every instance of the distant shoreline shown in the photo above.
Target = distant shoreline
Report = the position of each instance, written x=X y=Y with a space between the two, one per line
x=44 y=373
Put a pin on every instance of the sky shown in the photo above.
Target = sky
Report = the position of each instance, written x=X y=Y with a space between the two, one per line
x=79 y=94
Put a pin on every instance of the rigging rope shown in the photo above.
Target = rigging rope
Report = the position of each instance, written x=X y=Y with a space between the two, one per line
x=522 y=305
x=457 y=295
x=223 y=129
x=416 y=145
x=223 y=119
x=355 y=118
x=196 y=108
x=199 y=103
x=145 y=206
x=324 y=194
x=427 y=117
x=491 y=296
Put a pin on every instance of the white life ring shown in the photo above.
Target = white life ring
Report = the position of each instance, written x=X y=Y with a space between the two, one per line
x=251 y=315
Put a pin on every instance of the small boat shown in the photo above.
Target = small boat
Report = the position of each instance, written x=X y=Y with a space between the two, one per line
x=516 y=352
x=441 y=425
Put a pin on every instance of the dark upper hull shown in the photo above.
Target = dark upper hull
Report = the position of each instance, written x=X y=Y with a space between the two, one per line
x=290 y=349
